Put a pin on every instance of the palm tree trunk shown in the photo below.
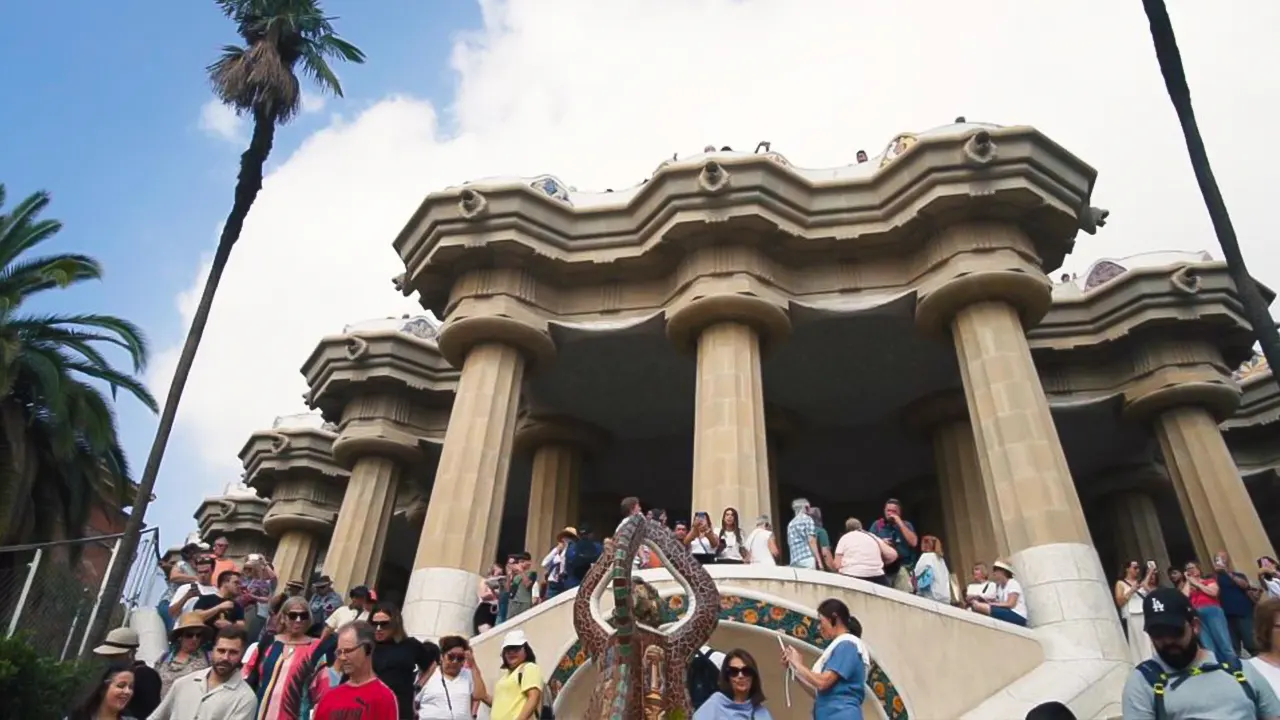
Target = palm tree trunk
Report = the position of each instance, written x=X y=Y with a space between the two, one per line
x=247 y=186
x=1175 y=81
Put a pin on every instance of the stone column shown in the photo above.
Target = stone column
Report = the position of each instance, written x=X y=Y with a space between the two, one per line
x=464 y=516
x=558 y=446
x=727 y=319
x=968 y=507
x=295 y=555
x=1184 y=391
x=378 y=437
x=1136 y=524
x=983 y=288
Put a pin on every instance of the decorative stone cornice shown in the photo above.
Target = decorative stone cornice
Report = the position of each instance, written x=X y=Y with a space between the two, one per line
x=292 y=466
x=711 y=300
x=361 y=362
x=750 y=200
x=231 y=513
x=488 y=307
x=1259 y=402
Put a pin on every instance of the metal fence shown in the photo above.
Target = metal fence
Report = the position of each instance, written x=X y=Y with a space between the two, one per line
x=50 y=593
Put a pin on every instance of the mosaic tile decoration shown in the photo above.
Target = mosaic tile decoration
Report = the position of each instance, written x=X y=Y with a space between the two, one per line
x=748 y=611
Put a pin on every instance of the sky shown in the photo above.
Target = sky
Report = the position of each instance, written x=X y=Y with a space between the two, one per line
x=119 y=124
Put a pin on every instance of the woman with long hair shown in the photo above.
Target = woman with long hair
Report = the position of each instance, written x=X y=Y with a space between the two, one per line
x=740 y=696
x=187 y=651
x=109 y=697
x=453 y=689
x=1134 y=584
x=931 y=575
x=290 y=674
x=733 y=548
x=399 y=661
x=838 y=680
x=487 y=613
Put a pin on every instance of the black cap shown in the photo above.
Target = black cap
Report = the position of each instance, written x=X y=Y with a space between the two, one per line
x=359 y=591
x=1166 y=608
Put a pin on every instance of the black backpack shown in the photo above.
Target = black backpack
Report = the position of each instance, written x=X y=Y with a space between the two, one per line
x=703 y=679
x=585 y=554
x=1159 y=680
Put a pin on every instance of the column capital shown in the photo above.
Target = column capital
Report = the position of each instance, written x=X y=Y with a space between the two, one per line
x=292 y=466
x=981 y=261
x=1170 y=373
x=735 y=298
x=924 y=415
x=393 y=426
x=534 y=429
x=501 y=319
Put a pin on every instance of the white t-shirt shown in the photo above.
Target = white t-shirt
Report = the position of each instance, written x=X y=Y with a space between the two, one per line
x=758 y=545
x=445 y=699
x=190 y=603
x=729 y=549
x=1002 y=594
x=981 y=590
x=701 y=546
x=1266 y=670
x=344 y=615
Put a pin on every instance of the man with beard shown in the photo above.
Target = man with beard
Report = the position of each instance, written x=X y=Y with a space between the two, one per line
x=219 y=692
x=1186 y=682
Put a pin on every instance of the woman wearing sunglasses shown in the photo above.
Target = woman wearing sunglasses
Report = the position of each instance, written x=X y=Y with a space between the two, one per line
x=740 y=696
x=288 y=666
x=186 y=653
x=399 y=661
x=455 y=689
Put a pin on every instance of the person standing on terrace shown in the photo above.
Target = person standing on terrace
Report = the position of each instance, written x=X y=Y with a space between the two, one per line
x=902 y=535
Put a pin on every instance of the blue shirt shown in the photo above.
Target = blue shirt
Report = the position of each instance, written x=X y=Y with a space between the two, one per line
x=722 y=707
x=1235 y=601
x=799 y=530
x=843 y=701
x=889 y=531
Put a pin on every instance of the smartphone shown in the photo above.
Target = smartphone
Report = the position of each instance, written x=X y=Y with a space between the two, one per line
x=1151 y=564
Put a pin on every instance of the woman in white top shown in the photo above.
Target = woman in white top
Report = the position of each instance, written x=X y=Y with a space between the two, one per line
x=453 y=689
x=1130 y=589
x=762 y=544
x=933 y=578
x=860 y=554
x=1010 y=605
x=1269 y=576
x=702 y=540
x=733 y=548
x=1266 y=632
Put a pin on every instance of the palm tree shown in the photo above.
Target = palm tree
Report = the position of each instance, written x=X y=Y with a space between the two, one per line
x=58 y=442
x=1175 y=81
x=282 y=38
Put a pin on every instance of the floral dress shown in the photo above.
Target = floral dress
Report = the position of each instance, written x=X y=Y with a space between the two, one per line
x=279 y=675
x=170 y=668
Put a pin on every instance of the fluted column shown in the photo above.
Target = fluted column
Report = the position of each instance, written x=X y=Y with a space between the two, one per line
x=295 y=555
x=1219 y=512
x=464 y=516
x=1136 y=526
x=359 y=537
x=553 y=486
x=1184 y=391
x=984 y=290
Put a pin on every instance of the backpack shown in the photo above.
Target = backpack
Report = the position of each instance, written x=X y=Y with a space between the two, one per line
x=1158 y=679
x=582 y=556
x=703 y=679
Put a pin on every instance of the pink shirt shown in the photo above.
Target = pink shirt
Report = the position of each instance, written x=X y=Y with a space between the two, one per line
x=859 y=553
x=1200 y=599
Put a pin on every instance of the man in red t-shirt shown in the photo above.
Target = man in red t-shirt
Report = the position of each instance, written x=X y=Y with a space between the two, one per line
x=363 y=696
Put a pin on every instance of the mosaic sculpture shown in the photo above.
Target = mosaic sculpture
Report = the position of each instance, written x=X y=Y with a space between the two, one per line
x=642 y=668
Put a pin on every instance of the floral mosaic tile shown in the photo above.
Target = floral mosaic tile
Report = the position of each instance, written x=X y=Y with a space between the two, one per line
x=748 y=611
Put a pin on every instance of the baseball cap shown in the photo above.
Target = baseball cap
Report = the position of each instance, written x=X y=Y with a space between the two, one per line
x=1166 y=609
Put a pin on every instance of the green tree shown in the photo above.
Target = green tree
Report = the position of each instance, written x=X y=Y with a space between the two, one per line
x=259 y=79
x=1175 y=82
x=59 y=443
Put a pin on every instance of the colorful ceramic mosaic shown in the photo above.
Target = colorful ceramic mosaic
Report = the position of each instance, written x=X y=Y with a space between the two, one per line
x=747 y=611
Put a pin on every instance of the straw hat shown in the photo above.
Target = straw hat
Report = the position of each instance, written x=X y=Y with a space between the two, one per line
x=120 y=641
x=1003 y=566
x=189 y=621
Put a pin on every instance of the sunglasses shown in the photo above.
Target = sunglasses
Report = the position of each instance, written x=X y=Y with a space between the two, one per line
x=380 y=624
x=298 y=616
x=455 y=657
x=735 y=671
x=192 y=634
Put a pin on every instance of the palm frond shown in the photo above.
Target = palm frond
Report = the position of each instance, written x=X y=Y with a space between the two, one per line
x=116 y=380
x=22 y=278
x=119 y=332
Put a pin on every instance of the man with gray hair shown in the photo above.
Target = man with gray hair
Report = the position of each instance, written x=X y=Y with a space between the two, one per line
x=802 y=536
x=362 y=695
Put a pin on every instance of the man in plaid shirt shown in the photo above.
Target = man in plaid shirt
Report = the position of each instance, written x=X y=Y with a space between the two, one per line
x=802 y=536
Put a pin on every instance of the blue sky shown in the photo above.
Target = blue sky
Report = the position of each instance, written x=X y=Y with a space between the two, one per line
x=110 y=126
x=597 y=93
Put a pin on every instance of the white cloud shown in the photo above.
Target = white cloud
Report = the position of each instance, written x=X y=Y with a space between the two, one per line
x=598 y=93
x=312 y=102
x=221 y=122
